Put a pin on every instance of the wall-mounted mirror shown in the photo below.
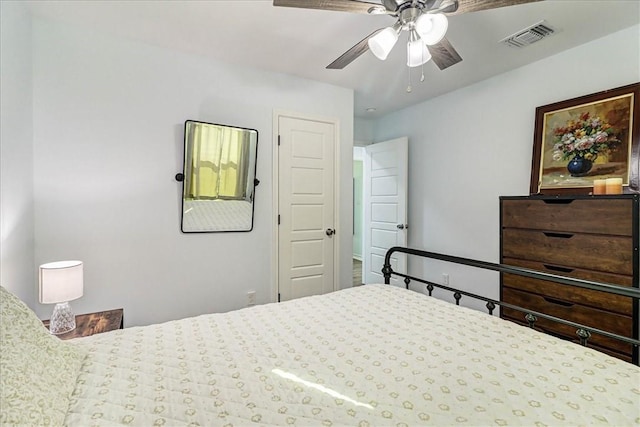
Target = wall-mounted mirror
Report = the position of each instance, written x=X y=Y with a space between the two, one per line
x=218 y=180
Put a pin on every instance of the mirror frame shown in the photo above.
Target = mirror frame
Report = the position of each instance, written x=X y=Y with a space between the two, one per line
x=182 y=177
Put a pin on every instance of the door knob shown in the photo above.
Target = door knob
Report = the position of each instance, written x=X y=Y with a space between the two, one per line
x=330 y=232
x=402 y=226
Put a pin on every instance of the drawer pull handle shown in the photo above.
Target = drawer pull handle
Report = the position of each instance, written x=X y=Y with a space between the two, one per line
x=558 y=302
x=558 y=201
x=557 y=268
x=559 y=235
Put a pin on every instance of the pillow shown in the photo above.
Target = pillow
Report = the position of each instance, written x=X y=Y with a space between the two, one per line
x=38 y=371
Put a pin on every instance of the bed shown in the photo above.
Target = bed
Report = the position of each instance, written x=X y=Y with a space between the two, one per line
x=373 y=355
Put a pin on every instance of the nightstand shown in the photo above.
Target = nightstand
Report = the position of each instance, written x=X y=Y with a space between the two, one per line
x=94 y=323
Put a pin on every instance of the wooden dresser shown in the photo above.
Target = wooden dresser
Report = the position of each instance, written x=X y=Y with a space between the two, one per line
x=587 y=237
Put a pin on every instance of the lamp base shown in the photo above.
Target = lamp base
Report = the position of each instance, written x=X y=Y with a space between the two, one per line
x=62 y=320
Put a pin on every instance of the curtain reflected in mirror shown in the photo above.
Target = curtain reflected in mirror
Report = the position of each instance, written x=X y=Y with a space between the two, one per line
x=219 y=174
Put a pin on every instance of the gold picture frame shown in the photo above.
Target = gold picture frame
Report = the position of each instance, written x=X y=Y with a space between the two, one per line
x=582 y=139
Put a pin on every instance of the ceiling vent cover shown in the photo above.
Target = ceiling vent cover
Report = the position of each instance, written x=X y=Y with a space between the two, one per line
x=529 y=35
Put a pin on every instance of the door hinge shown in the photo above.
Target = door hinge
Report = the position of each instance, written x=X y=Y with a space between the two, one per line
x=278 y=139
x=278 y=297
x=278 y=219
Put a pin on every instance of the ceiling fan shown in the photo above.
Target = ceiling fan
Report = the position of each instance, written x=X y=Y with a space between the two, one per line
x=424 y=20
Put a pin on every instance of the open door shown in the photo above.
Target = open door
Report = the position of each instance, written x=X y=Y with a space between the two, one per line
x=385 y=207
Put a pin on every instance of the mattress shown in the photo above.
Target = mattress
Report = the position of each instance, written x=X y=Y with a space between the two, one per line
x=374 y=355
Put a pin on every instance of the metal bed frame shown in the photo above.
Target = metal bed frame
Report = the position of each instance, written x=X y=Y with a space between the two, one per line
x=582 y=331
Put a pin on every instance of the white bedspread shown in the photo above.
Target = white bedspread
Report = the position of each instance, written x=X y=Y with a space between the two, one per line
x=369 y=356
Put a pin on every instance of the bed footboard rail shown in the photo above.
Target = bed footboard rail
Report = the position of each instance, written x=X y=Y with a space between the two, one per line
x=583 y=332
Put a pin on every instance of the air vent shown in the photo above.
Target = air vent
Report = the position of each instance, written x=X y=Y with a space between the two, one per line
x=529 y=35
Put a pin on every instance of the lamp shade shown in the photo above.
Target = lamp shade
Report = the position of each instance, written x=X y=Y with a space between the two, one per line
x=382 y=43
x=417 y=53
x=60 y=281
x=432 y=27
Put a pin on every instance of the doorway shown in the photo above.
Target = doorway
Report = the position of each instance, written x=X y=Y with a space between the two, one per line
x=384 y=202
x=358 y=214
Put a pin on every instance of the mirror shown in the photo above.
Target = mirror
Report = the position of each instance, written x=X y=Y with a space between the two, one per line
x=218 y=177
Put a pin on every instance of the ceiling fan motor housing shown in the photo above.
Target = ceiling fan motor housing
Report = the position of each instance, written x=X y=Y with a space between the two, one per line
x=397 y=6
x=408 y=17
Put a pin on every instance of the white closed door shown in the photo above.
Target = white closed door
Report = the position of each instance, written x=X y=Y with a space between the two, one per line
x=306 y=230
x=385 y=207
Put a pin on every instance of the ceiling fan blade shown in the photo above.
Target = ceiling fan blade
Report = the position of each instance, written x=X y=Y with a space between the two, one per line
x=354 y=6
x=352 y=54
x=465 y=6
x=443 y=54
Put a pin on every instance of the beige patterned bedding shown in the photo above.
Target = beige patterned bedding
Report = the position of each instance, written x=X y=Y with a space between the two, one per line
x=369 y=356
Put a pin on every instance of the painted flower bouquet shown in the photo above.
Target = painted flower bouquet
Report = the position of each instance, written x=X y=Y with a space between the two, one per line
x=584 y=138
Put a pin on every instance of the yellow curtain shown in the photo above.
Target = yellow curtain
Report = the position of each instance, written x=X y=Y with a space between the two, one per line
x=232 y=177
x=218 y=168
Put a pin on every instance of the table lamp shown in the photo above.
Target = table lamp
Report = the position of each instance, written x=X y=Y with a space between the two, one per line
x=61 y=282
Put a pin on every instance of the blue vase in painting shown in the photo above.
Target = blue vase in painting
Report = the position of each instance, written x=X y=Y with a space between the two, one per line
x=579 y=166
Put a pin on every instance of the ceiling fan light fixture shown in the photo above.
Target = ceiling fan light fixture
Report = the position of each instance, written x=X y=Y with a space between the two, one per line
x=432 y=27
x=382 y=43
x=417 y=52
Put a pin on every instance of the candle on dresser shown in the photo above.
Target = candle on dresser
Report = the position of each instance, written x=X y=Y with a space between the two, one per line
x=614 y=185
x=599 y=186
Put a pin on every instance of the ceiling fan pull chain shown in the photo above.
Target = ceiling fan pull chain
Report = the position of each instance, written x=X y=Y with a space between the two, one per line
x=422 y=67
x=409 y=88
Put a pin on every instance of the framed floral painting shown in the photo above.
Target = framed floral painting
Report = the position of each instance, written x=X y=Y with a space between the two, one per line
x=582 y=139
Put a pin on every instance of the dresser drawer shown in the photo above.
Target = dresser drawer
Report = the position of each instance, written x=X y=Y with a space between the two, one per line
x=602 y=300
x=610 y=322
x=596 y=216
x=611 y=254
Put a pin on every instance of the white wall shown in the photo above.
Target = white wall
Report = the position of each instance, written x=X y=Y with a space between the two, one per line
x=469 y=147
x=108 y=118
x=17 y=271
x=363 y=131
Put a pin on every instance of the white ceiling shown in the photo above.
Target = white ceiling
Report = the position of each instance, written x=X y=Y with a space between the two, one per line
x=303 y=42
